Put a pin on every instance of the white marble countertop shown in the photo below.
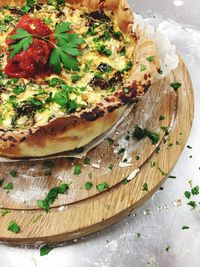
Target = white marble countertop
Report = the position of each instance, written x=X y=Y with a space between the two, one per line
x=160 y=220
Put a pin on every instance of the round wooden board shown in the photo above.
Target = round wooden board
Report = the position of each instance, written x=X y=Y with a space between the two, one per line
x=80 y=211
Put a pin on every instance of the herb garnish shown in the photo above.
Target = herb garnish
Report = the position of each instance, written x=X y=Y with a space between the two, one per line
x=140 y=133
x=193 y=204
x=14 y=227
x=145 y=187
x=13 y=173
x=77 y=169
x=8 y=186
x=65 y=50
x=52 y=196
x=103 y=186
x=45 y=250
x=176 y=85
x=184 y=227
x=88 y=185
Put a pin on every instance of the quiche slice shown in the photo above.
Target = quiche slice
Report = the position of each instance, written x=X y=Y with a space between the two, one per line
x=68 y=70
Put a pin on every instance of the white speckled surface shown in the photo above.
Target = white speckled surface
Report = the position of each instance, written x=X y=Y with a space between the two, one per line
x=160 y=220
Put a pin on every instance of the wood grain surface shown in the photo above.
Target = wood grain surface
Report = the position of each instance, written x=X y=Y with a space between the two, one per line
x=80 y=211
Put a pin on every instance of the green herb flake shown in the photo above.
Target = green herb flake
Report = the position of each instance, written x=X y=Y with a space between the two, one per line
x=14 y=227
x=13 y=173
x=121 y=151
x=192 y=204
x=77 y=169
x=110 y=167
x=87 y=161
x=45 y=250
x=167 y=248
x=143 y=67
x=185 y=227
x=145 y=187
x=4 y=212
x=140 y=133
x=1 y=182
x=162 y=172
x=176 y=85
x=102 y=187
x=195 y=190
x=137 y=157
x=189 y=147
x=187 y=194
x=75 y=78
x=150 y=58
x=110 y=141
x=161 y=118
x=88 y=185
x=8 y=186
x=172 y=177
x=52 y=196
x=153 y=163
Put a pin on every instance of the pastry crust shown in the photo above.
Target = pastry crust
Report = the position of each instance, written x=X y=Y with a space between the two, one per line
x=78 y=129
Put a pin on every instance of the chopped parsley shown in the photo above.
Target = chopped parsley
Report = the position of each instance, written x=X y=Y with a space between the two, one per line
x=88 y=185
x=143 y=67
x=110 y=167
x=1 y=182
x=172 y=177
x=110 y=141
x=14 y=227
x=192 y=204
x=77 y=169
x=52 y=196
x=145 y=187
x=45 y=250
x=195 y=190
x=4 y=212
x=187 y=194
x=8 y=186
x=162 y=172
x=150 y=58
x=13 y=173
x=102 y=187
x=176 y=85
x=87 y=161
x=141 y=133
x=185 y=227
x=161 y=118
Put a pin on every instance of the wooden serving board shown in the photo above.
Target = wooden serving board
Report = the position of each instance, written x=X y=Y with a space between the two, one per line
x=80 y=211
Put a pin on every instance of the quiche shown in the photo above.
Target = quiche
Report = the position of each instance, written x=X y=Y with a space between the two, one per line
x=68 y=71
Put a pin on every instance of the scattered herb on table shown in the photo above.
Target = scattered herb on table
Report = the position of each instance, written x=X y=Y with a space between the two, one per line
x=8 y=186
x=185 y=227
x=14 y=227
x=167 y=248
x=88 y=185
x=176 y=85
x=4 y=212
x=13 y=173
x=161 y=118
x=153 y=163
x=162 y=172
x=1 y=182
x=195 y=190
x=140 y=133
x=187 y=194
x=192 y=204
x=87 y=161
x=52 y=196
x=145 y=187
x=172 y=177
x=45 y=250
x=77 y=169
x=110 y=141
x=103 y=186
x=189 y=147
x=110 y=167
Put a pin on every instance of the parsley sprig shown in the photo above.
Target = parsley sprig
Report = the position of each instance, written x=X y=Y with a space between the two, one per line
x=66 y=49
